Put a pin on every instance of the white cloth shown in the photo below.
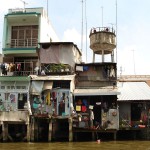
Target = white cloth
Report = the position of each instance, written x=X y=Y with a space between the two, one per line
x=91 y=115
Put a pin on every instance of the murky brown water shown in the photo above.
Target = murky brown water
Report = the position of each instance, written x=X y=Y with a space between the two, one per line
x=117 y=145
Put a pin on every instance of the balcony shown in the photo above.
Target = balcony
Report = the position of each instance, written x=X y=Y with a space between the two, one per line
x=55 y=69
x=29 y=68
x=23 y=43
x=18 y=69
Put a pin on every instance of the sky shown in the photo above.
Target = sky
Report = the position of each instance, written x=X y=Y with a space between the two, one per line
x=130 y=18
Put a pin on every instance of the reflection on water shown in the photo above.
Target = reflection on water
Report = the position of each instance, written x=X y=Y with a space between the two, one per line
x=113 y=145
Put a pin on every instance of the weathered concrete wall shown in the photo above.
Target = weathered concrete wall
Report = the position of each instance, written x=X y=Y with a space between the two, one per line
x=17 y=116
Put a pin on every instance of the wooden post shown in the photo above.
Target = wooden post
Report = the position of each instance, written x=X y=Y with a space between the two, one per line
x=36 y=131
x=50 y=130
x=115 y=135
x=93 y=136
x=32 y=128
x=5 y=131
x=28 y=132
x=75 y=136
x=134 y=135
x=70 y=130
x=1 y=135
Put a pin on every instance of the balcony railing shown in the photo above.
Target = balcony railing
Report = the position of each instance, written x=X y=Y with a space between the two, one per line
x=19 y=43
x=23 y=73
x=102 y=29
x=18 y=68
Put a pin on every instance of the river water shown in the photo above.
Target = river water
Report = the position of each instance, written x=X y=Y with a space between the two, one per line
x=102 y=145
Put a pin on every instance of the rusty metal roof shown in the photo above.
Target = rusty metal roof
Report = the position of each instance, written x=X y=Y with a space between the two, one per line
x=92 y=92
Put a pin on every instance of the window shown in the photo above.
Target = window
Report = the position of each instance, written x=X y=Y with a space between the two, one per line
x=12 y=87
x=2 y=87
x=8 y=87
x=18 y=87
x=61 y=84
x=23 y=87
x=24 y=36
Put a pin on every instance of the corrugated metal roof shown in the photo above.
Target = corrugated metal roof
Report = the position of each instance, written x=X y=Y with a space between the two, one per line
x=133 y=91
x=92 y=92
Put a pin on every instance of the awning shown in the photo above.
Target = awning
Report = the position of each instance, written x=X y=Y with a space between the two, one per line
x=131 y=91
x=47 y=78
x=36 y=87
x=15 y=78
x=94 y=92
x=47 y=85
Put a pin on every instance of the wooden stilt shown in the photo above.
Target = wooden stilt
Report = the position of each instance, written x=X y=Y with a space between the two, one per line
x=5 y=131
x=134 y=135
x=75 y=136
x=70 y=130
x=10 y=138
x=28 y=132
x=93 y=136
x=36 y=131
x=1 y=135
x=115 y=136
x=32 y=124
x=50 y=131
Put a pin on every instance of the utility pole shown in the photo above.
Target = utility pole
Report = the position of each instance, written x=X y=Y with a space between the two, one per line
x=121 y=71
x=86 y=30
x=0 y=47
x=134 y=63
x=47 y=8
x=116 y=30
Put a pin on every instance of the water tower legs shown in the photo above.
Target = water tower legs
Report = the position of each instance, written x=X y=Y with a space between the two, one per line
x=102 y=55
x=93 y=57
x=112 y=56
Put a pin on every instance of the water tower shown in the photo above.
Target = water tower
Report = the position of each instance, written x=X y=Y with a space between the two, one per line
x=102 y=42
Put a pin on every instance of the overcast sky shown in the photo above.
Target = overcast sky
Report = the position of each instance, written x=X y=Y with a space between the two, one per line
x=133 y=23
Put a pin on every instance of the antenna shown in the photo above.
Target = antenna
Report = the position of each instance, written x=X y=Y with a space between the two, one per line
x=121 y=71
x=102 y=15
x=112 y=25
x=102 y=12
x=24 y=3
x=133 y=62
x=47 y=8
x=116 y=31
x=86 y=30
x=82 y=28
